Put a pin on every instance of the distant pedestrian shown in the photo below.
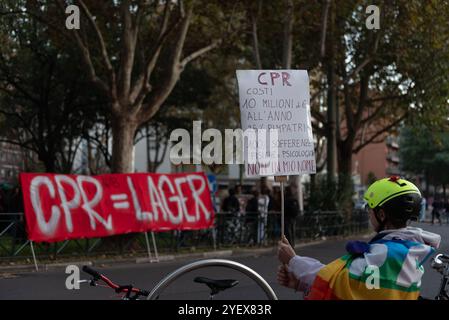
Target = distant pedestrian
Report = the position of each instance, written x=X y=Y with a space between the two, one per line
x=264 y=202
x=252 y=215
x=291 y=211
x=437 y=205
x=233 y=224
x=446 y=211
x=276 y=209
x=422 y=213
x=231 y=204
x=238 y=190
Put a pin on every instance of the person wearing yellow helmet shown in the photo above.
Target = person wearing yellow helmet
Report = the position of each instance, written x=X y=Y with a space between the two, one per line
x=393 y=201
x=389 y=266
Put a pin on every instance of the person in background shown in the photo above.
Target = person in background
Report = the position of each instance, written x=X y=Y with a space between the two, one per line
x=264 y=206
x=422 y=213
x=291 y=211
x=446 y=207
x=436 y=211
x=231 y=204
x=276 y=210
x=241 y=197
x=252 y=214
x=231 y=208
x=238 y=190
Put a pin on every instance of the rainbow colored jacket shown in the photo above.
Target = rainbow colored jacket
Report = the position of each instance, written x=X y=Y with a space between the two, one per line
x=390 y=266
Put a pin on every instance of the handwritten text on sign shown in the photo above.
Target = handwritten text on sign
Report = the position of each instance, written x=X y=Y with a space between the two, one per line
x=60 y=207
x=279 y=99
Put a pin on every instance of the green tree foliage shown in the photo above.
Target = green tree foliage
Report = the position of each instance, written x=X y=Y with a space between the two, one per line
x=364 y=83
x=134 y=52
x=370 y=80
x=425 y=151
x=43 y=97
x=189 y=100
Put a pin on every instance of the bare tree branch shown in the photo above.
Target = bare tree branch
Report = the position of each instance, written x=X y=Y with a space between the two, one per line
x=85 y=53
x=26 y=123
x=324 y=28
x=104 y=51
x=200 y=52
x=129 y=40
x=141 y=87
x=365 y=62
x=318 y=116
x=364 y=83
x=26 y=145
x=389 y=97
x=347 y=102
x=256 y=52
x=288 y=37
x=171 y=74
x=319 y=130
x=379 y=133
x=367 y=120
x=100 y=145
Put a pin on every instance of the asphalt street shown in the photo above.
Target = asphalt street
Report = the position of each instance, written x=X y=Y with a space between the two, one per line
x=51 y=284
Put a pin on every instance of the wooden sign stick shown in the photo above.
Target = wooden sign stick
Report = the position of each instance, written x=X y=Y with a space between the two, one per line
x=282 y=179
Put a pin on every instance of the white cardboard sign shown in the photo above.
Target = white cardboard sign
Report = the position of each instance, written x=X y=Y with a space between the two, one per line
x=279 y=100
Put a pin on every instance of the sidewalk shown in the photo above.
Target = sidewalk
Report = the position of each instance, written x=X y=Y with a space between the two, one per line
x=224 y=254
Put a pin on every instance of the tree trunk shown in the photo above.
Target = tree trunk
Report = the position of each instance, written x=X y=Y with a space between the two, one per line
x=256 y=51
x=331 y=120
x=345 y=187
x=123 y=132
x=49 y=161
x=50 y=166
x=331 y=104
x=288 y=36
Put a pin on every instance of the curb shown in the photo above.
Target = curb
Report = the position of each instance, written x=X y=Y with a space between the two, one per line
x=207 y=255
x=65 y=264
x=218 y=254
x=161 y=259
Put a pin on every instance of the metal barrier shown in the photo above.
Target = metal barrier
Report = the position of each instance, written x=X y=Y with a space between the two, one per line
x=230 y=230
x=12 y=234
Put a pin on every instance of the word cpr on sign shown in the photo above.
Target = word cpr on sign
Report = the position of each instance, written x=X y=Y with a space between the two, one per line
x=61 y=207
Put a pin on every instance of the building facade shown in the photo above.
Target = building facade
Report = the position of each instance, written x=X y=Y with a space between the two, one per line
x=12 y=162
x=377 y=161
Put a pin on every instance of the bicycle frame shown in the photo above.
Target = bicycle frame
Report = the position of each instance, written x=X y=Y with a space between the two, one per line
x=158 y=289
x=127 y=289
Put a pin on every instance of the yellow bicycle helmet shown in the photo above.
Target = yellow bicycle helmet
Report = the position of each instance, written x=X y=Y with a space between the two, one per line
x=386 y=189
x=400 y=199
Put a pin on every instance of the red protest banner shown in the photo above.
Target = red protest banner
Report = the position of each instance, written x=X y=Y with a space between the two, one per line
x=61 y=207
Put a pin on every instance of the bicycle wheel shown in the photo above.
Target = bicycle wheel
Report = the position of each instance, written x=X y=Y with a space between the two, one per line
x=165 y=282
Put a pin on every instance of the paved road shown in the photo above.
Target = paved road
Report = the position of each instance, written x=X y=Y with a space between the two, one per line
x=51 y=284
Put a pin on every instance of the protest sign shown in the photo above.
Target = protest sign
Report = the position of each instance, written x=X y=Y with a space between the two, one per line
x=277 y=100
x=61 y=207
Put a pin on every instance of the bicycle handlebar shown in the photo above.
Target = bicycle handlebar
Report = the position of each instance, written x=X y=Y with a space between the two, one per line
x=92 y=272
x=445 y=256
x=126 y=289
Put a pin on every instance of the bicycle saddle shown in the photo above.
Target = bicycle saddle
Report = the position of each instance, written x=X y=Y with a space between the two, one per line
x=216 y=285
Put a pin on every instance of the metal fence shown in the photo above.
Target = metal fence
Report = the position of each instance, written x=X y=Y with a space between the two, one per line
x=230 y=231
